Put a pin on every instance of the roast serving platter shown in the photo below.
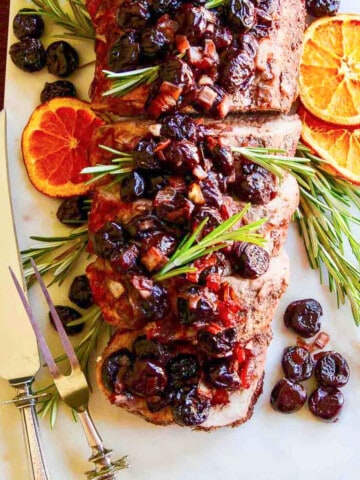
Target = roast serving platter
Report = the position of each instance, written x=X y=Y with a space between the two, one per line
x=270 y=446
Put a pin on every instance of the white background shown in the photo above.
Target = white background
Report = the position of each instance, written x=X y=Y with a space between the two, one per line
x=271 y=446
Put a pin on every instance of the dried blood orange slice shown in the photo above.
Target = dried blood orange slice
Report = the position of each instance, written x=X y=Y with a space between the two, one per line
x=330 y=69
x=55 y=145
x=339 y=146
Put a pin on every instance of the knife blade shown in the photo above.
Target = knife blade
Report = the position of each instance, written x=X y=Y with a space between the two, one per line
x=19 y=356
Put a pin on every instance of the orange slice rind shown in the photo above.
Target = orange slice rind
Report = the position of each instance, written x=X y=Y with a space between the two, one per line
x=338 y=145
x=55 y=146
x=329 y=77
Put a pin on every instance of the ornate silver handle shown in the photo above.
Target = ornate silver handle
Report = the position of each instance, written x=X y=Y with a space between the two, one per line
x=105 y=469
x=25 y=402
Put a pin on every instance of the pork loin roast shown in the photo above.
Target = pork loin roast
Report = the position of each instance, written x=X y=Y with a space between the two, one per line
x=189 y=349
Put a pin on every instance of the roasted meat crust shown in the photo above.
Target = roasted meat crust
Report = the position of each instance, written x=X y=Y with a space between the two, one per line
x=273 y=89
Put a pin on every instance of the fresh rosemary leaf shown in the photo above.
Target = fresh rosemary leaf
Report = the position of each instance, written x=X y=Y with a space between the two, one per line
x=58 y=255
x=68 y=14
x=120 y=166
x=215 y=3
x=125 y=82
x=191 y=248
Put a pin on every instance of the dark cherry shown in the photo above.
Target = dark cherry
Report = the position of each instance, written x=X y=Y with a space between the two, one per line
x=250 y=261
x=163 y=242
x=156 y=305
x=322 y=8
x=222 y=37
x=125 y=258
x=211 y=191
x=223 y=159
x=192 y=21
x=153 y=43
x=115 y=367
x=61 y=59
x=27 y=24
x=183 y=370
x=80 y=292
x=191 y=409
x=217 y=345
x=288 y=396
x=68 y=315
x=219 y=269
x=133 y=14
x=163 y=6
x=179 y=127
x=144 y=226
x=172 y=206
x=249 y=44
x=146 y=378
x=155 y=403
x=241 y=14
x=220 y=375
x=181 y=156
x=60 y=88
x=194 y=309
x=73 y=211
x=332 y=370
x=132 y=187
x=212 y=214
x=254 y=184
x=108 y=239
x=264 y=18
x=124 y=54
x=178 y=72
x=237 y=72
x=144 y=156
x=297 y=364
x=303 y=316
x=149 y=349
x=155 y=183
x=326 y=403
x=28 y=54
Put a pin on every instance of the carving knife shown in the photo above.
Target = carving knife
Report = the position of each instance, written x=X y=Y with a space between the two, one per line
x=19 y=357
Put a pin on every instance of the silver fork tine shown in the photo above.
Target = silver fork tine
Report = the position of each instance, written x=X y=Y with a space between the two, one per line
x=73 y=388
x=74 y=362
x=49 y=359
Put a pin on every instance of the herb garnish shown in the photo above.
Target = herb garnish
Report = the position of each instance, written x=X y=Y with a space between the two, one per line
x=190 y=250
x=323 y=218
x=120 y=166
x=125 y=82
x=76 y=22
x=68 y=250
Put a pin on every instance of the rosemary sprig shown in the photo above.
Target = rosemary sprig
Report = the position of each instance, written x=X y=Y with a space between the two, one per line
x=77 y=22
x=120 y=166
x=86 y=347
x=191 y=249
x=125 y=82
x=215 y=3
x=67 y=249
x=324 y=219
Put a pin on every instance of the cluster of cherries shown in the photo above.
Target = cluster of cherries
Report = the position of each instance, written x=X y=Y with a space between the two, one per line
x=330 y=368
x=29 y=54
x=203 y=54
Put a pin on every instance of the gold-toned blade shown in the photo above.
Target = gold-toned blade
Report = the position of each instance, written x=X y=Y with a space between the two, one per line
x=19 y=357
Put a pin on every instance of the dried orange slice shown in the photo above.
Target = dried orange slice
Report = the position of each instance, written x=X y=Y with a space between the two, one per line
x=330 y=69
x=339 y=146
x=55 y=146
